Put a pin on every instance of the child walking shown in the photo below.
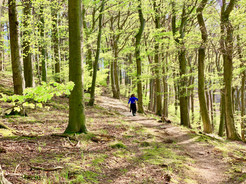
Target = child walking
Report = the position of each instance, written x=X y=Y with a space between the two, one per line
x=133 y=106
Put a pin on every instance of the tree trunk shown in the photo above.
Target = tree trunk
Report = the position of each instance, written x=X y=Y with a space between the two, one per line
x=15 y=49
x=157 y=64
x=222 y=113
x=183 y=96
x=27 y=56
x=227 y=52
x=76 y=99
x=115 y=70
x=42 y=56
x=243 y=74
x=207 y=127
x=138 y=59
x=112 y=79
x=165 y=88
x=55 y=40
x=1 y=48
x=95 y=64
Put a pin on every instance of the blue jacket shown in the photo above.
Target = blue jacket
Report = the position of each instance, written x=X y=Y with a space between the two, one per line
x=132 y=100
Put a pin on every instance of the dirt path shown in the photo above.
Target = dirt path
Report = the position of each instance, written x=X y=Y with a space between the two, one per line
x=208 y=167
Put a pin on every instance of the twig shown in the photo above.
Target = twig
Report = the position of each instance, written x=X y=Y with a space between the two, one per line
x=3 y=180
x=46 y=169
x=16 y=168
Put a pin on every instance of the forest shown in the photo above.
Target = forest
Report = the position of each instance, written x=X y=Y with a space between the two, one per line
x=69 y=67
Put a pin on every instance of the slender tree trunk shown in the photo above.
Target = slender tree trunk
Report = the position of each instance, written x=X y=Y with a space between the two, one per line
x=27 y=56
x=42 y=47
x=15 y=49
x=55 y=40
x=222 y=113
x=2 y=2
x=112 y=79
x=157 y=64
x=1 y=47
x=165 y=88
x=115 y=70
x=242 y=90
x=95 y=64
x=76 y=99
x=138 y=58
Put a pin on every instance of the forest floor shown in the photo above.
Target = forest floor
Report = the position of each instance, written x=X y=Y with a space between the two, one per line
x=119 y=148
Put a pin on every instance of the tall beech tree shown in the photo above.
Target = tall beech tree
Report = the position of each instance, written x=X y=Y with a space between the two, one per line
x=138 y=58
x=207 y=127
x=226 y=43
x=16 y=59
x=95 y=64
x=179 y=39
x=76 y=99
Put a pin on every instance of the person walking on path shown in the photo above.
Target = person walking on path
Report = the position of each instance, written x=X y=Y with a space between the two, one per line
x=133 y=106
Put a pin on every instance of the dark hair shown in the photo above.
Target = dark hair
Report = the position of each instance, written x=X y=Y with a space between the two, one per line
x=132 y=95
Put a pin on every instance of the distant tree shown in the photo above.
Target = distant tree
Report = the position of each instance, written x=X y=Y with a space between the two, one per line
x=76 y=102
x=55 y=39
x=15 y=49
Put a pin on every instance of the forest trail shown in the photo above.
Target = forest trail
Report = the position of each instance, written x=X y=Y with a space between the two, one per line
x=208 y=165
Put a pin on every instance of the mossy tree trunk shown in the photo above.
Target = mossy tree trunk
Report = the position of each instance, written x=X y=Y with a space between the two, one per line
x=76 y=100
x=207 y=127
x=138 y=58
x=15 y=49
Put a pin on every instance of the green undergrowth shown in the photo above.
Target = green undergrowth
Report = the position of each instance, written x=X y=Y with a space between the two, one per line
x=118 y=145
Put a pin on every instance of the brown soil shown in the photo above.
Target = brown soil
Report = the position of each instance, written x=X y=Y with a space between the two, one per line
x=120 y=148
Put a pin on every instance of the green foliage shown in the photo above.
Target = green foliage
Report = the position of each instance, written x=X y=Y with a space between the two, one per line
x=87 y=176
x=118 y=145
x=39 y=95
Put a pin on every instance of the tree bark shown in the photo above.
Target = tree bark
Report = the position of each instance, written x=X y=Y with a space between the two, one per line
x=207 y=127
x=138 y=58
x=95 y=65
x=27 y=56
x=183 y=96
x=157 y=64
x=76 y=100
x=42 y=51
x=227 y=52
x=15 y=49
x=242 y=90
x=55 y=40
